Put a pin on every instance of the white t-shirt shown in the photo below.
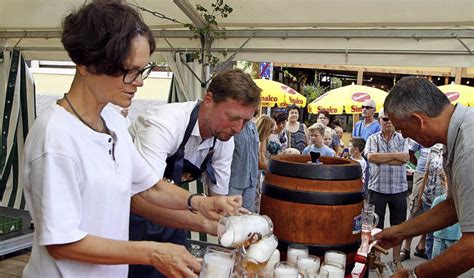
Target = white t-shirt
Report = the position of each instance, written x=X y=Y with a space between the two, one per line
x=75 y=187
x=363 y=165
x=159 y=131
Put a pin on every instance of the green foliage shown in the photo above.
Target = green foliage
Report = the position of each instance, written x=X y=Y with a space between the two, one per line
x=210 y=32
x=313 y=92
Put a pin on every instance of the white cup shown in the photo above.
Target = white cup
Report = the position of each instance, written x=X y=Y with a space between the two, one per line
x=333 y=271
x=218 y=263
x=234 y=231
x=336 y=258
x=307 y=261
x=295 y=250
x=284 y=270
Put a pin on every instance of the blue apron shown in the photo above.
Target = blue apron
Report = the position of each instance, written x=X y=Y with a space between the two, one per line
x=181 y=171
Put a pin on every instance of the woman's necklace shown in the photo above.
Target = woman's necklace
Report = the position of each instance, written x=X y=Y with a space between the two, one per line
x=104 y=130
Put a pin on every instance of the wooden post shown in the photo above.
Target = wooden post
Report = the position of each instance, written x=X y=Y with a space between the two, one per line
x=446 y=80
x=458 y=76
x=360 y=76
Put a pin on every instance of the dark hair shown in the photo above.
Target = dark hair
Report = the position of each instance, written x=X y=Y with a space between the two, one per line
x=325 y=113
x=359 y=143
x=413 y=94
x=234 y=84
x=99 y=35
x=280 y=116
x=292 y=107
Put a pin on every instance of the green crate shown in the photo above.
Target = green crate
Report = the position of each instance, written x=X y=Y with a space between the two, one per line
x=10 y=224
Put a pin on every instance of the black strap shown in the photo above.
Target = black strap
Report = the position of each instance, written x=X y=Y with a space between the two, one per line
x=207 y=164
x=177 y=159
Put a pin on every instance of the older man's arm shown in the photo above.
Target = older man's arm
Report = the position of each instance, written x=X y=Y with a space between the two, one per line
x=456 y=260
x=388 y=158
x=180 y=219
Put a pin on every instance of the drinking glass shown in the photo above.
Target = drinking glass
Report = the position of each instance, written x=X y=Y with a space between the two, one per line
x=316 y=272
x=335 y=258
x=285 y=270
x=332 y=270
x=218 y=262
x=307 y=261
x=258 y=254
x=239 y=230
x=295 y=250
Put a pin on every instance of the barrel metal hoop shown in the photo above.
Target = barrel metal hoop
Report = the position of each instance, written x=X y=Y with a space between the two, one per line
x=315 y=172
x=320 y=249
x=313 y=198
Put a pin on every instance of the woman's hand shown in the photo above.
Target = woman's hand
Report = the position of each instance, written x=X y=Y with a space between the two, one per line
x=215 y=208
x=174 y=260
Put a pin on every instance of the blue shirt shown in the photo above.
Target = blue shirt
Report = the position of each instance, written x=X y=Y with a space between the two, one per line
x=361 y=130
x=452 y=232
x=324 y=150
x=244 y=168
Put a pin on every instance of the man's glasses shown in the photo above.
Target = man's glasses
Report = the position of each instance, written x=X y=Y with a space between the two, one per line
x=367 y=107
x=129 y=75
x=385 y=119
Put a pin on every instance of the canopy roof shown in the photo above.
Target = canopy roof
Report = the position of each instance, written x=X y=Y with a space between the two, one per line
x=367 y=32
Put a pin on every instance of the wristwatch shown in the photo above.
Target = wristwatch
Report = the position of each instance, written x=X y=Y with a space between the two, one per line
x=411 y=273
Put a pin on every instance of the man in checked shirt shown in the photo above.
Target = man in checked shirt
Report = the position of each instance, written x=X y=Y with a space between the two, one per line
x=387 y=153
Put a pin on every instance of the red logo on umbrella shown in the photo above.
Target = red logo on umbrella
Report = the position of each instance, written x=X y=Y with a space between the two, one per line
x=360 y=97
x=288 y=89
x=452 y=96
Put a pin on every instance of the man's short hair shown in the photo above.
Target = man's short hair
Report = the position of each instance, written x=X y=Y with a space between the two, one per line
x=359 y=143
x=237 y=85
x=415 y=94
x=317 y=127
x=369 y=102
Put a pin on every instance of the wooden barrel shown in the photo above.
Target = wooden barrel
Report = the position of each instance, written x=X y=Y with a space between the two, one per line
x=315 y=205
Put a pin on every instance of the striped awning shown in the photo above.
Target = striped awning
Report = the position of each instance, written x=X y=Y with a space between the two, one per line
x=17 y=108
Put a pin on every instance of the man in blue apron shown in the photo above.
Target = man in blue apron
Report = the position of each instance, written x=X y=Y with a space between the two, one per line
x=187 y=141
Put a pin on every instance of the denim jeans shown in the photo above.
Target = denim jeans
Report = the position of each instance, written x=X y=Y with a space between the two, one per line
x=429 y=236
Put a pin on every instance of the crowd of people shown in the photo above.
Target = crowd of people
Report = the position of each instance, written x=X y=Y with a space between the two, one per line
x=104 y=195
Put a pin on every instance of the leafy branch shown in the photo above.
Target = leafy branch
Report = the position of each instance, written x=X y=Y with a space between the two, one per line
x=209 y=32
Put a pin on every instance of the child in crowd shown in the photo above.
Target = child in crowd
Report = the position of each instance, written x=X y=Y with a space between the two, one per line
x=432 y=186
x=317 y=132
x=445 y=237
x=290 y=151
x=356 y=149
x=327 y=137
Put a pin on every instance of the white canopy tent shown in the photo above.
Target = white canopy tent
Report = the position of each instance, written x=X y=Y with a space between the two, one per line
x=344 y=32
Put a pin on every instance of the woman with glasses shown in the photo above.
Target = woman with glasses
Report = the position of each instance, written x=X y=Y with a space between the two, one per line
x=81 y=168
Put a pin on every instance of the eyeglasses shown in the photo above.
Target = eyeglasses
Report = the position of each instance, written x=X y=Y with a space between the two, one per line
x=385 y=119
x=367 y=107
x=129 y=75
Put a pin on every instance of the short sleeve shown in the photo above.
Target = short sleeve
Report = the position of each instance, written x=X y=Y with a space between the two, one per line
x=221 y=162
x=56 y=199
x=371 y=146
x=143 y=176
x=463 y=177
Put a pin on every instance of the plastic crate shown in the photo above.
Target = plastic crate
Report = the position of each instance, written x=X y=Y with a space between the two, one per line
x=10 y=224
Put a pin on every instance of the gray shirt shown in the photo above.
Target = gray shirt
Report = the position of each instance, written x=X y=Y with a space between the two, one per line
x=459 y=165
x=244 y=168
